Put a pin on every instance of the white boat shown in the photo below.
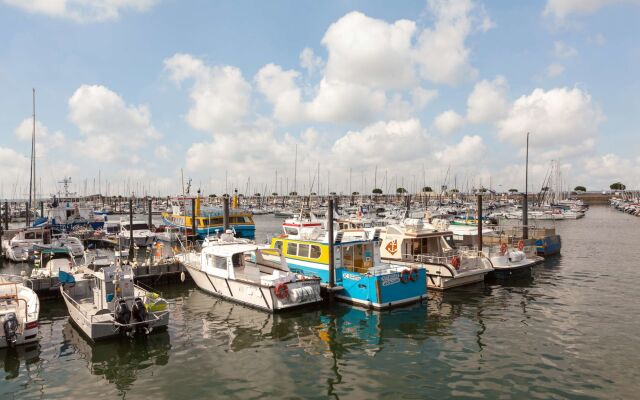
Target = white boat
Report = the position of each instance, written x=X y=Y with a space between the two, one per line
x=19 y=310
x=70 y=242
x=509 y=262
x=241 y=271
x=49 y=261
x=20 y=246
x=414 y=244
x=142 y=235
x=106 y=303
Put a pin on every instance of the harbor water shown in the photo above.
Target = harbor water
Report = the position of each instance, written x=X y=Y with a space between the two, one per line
x=572 y=330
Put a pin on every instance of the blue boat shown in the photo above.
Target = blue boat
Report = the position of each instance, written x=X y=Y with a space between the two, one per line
x=360 y=276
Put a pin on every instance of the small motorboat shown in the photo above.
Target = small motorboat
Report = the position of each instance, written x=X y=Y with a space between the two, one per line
x=512 y=262
x=19 y=310
x=106 y=303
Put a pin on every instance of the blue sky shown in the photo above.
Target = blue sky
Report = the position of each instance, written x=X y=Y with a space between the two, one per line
x=138 y=89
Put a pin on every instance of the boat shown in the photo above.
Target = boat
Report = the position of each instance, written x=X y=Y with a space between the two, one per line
x=20 y=247
x=142 y=235
x=106 y=303
x=361 y=277
x=508 y=262
x=74 y=244
x=19 y=311
x=49 y=261
x=169 y=234
x=241 y=271
x=208 y=219
x=413 y=244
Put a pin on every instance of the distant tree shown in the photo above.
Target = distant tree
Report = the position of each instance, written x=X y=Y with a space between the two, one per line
x=293 y=193
x=455 y=191
x=401 y=190
x=257 y=194
x=617 y=186
x=580 y=189
x=314 y=194
x=376 y=191
x=427 y=189
x=355 y=193
x=482 y=190
x=513 y=190
x=332 y=193
x=274 y=194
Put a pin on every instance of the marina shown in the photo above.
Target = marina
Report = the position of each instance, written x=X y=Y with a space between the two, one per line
x=319 y=200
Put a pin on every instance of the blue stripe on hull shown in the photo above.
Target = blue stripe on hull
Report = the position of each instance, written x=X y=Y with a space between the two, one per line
x=242 y=231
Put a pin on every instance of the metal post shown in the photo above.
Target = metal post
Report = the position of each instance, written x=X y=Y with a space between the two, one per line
x=6 y=215
x=225 y=213
x=193 y=217
x=525 y=202
x=150 y=215
x=28 y=213
x=42 y=209
x=332 y=267
x=131 y=244
x=479 y=222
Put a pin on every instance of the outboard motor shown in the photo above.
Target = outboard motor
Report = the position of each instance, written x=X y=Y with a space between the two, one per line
x=139 y=312
x=10 y=326
x=123 y=315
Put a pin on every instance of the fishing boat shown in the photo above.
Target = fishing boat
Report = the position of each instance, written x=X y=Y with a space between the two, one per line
x=49 y=261
x=140 y=230
x=19 y=310
x=360 y=275
x=241 y=271
x=20 y=247
x=413 y=244
x=208 y=219
x=106 y=303
x=72 y=243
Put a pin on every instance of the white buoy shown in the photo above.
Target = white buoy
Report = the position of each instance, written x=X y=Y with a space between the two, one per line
x=182 y=276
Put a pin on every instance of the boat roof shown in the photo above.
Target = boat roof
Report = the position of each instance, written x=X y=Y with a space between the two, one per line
x=229 y=249
x=402 y=230
x=51 y=250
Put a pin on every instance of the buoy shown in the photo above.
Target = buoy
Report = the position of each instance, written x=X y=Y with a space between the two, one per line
x=182 y=276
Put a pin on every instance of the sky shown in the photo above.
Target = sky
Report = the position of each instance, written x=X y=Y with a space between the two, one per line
x=331 y=96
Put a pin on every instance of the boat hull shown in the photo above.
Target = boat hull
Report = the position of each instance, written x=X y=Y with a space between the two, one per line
x=249 y=294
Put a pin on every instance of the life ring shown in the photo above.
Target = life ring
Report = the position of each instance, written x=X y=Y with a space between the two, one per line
x=503 y=249
x=405 y=275
x=413 y=276
x=282 y=291
x=520 y=244
x=455 y=261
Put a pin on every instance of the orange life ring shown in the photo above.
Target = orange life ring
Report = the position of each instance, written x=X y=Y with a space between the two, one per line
x=282 y=291
x=405 y=275
x=455 y=261
x=503 y=248
x=520 y=244
x=414 y=274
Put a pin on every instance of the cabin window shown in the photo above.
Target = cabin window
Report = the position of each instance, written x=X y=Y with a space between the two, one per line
x=315 y=251
x=303 y=250
x=237 y=259
x=290 y=231
x=217 y=262
x=292 y=249
x=29 y=235
x=278 y=245
x=353 y=258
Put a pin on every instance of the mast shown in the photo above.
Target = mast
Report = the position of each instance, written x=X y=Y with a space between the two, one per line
x=32 y=167
x=525 y=204
x=295 y=172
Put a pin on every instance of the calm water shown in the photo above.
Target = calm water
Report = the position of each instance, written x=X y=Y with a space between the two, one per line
x=571 y=331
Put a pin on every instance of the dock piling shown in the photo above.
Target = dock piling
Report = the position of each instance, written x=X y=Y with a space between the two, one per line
x=479 y=222
x=332 y=267
x=131 y=244
x=225 y=213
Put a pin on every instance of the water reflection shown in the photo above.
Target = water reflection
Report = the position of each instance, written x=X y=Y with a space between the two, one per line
x=12 y=359
x=119 y=361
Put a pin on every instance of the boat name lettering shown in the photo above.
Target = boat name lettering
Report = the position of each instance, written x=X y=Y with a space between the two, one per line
x=352 y=277
x=391 y=279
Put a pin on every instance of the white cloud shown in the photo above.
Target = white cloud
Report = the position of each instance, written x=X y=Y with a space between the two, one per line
x=162 y=152
x=112 y=129
x=400 y=107
x=82 y=10
x=14 y=168
x=561 y=9
x=562 y=50
x=449 y=122
x=468 y=151
x=603 y=170
x=488 y=101
x=553 y=70
x=371 y=52
x=310 y=62
x=220 y=94
x=45 y=140
x=441 y=52
x=560 y=116
x=382 y=143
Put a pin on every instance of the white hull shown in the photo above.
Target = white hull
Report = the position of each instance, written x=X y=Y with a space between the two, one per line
x=251 y=294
